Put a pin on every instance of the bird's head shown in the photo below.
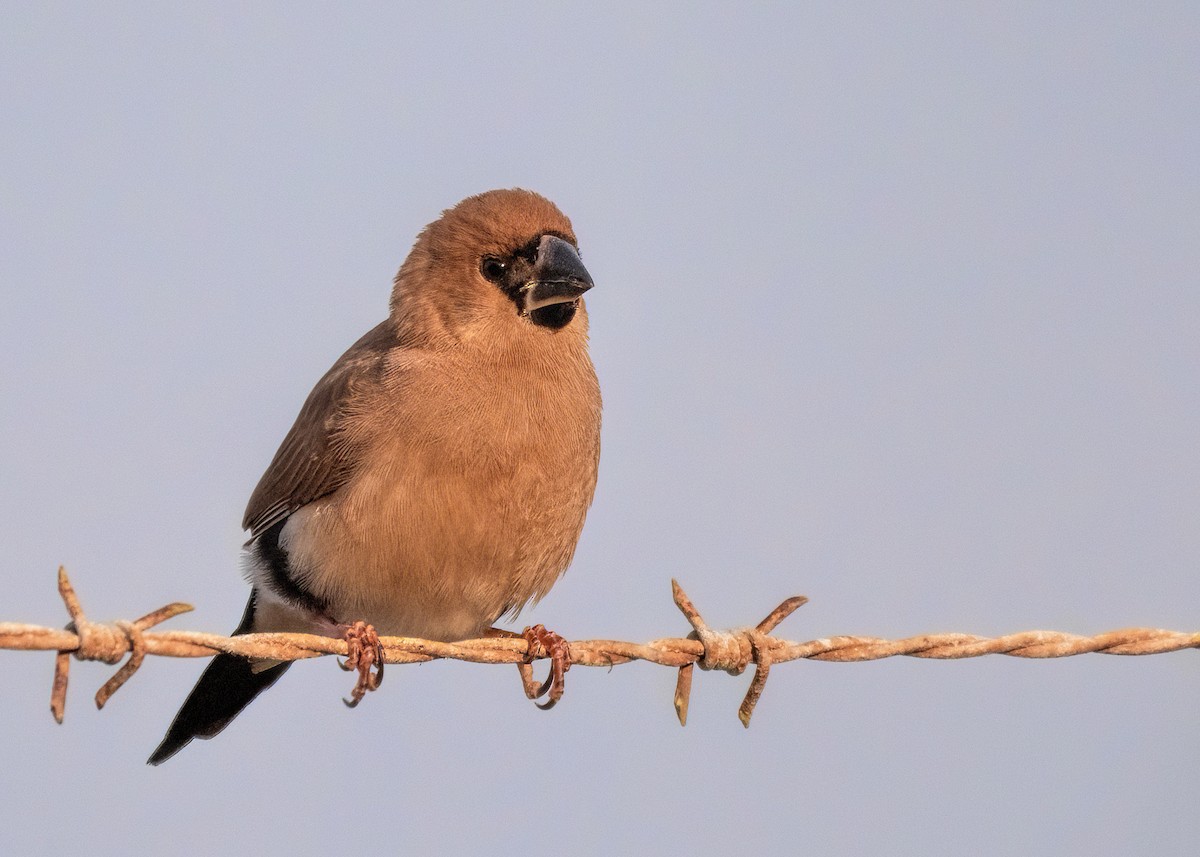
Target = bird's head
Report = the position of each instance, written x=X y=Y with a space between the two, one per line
x=504 y=260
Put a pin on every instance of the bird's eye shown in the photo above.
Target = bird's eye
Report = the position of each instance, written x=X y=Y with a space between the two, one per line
x=492 y=268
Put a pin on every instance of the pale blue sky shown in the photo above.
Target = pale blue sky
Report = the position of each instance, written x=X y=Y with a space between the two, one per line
x=897 y=307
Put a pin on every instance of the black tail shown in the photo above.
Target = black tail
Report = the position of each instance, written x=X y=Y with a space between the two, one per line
x=227 y=685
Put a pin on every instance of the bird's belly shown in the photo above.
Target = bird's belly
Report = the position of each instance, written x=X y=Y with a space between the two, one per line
x=438 y=553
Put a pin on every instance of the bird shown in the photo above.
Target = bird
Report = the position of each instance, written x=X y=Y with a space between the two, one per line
x=437 y=477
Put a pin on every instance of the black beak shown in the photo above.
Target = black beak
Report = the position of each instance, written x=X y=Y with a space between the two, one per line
x=558 y=276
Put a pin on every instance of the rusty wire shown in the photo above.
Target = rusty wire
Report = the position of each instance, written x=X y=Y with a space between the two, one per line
x=731 y=651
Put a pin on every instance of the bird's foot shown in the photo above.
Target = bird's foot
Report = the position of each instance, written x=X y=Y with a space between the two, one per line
x=363 y=650
x=543 y=643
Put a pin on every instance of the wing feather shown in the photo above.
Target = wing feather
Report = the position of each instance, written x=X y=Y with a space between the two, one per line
x=314 y=459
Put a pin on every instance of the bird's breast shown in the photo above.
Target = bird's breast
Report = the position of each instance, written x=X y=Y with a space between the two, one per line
x=460 y=510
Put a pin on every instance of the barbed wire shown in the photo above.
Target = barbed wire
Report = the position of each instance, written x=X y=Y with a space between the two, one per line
x=731 y=651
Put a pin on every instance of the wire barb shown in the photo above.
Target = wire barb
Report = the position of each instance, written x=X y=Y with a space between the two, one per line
x=100 y=642
x=731 y=651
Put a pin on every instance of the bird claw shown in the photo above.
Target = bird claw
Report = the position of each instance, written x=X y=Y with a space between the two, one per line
x=363 y=650
x=542 y=642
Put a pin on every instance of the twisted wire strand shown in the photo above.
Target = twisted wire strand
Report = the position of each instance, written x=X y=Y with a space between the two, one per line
x=731 y=651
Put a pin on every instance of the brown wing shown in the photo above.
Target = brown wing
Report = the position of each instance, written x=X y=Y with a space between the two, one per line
x=312 y=461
